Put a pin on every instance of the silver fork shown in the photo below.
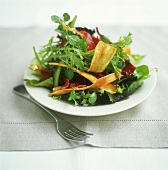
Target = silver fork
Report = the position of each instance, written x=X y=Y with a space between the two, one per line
x=67 y=130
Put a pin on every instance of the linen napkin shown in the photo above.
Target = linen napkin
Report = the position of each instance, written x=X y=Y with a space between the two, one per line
x=25 y=126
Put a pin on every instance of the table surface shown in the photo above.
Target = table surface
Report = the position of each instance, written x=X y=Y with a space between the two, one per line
x=87 y=157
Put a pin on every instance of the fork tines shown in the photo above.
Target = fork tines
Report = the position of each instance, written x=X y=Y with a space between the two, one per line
x=77 y=134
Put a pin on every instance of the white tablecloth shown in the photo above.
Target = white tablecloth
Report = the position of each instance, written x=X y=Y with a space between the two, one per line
x=24 y=126
x=86 y=158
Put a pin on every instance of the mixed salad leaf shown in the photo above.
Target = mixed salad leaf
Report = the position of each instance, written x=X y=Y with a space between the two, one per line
x=83 y=66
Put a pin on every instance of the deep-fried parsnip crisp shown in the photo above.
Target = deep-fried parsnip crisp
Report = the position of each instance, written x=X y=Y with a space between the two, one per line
x=128 y=50
x=102 y=56
x=102 y=83
x=96 y=85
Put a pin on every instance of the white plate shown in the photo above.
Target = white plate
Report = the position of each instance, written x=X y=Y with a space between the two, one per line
x=41 y=95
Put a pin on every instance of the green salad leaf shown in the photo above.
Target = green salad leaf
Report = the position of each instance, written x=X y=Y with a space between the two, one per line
x=142 y=72
x=37 y=83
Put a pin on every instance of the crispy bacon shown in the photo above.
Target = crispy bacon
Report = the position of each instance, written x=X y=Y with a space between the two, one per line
x=128 y=69
x=89 y=40
x=67 y=84
x=66 y=81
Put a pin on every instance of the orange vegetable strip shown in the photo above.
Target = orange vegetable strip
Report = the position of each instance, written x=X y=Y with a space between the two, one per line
x=107 y=87
x=102 y=56
x=96 y=84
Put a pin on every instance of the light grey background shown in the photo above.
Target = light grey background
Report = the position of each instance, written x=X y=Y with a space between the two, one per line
x=21 y=13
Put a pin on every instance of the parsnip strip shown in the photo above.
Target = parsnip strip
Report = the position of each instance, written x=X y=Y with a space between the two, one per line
x=128 y=50
x=96 y=85
x=72 y=29
x=84 y=74
x=102 y=56
x=105 y=86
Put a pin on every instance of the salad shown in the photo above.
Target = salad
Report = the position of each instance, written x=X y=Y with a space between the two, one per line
x=83 y=66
